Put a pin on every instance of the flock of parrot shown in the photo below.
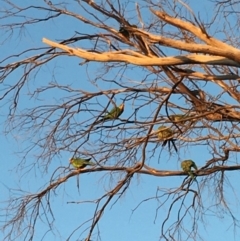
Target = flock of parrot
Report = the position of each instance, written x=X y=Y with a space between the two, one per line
x=164 y=134
x=81 y=163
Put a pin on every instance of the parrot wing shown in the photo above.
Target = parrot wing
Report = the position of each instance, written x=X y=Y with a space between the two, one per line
x=186 y=165
x=164 y=132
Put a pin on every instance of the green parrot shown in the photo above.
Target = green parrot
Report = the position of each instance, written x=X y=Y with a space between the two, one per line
x=178 y=117
x=165 y=134
x=113 y=114
x=182 y=119
x=126 y=32
x=186 y=166
x=80 y=163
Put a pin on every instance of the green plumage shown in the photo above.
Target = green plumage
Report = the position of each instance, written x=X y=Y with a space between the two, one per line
x=113 y=114
x=165 y=134
x=178 y=117
x=81 y=163
x=182 y=119
x=187 y=165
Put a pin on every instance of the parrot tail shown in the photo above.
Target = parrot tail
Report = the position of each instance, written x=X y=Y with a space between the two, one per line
x=99 y=121
x=173 y=143
x=169 y=144
x=91 y=163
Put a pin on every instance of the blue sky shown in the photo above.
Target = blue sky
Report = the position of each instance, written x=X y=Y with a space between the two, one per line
x=29 y=176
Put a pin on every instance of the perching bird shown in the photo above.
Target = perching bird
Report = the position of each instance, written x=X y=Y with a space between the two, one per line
x=165 y=134
x=113 y=114
x=126 y=33
x=186 y=166
x=182 y=119
x=178 y=117
x=80 y=163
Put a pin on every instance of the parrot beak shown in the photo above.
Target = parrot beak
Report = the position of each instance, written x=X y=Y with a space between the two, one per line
x=121 y=106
